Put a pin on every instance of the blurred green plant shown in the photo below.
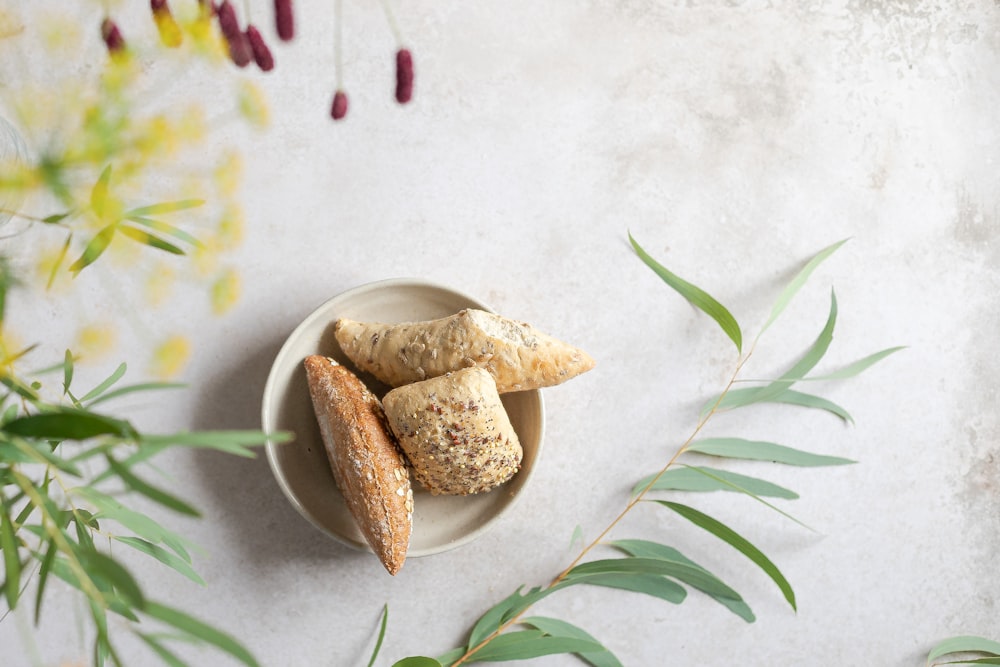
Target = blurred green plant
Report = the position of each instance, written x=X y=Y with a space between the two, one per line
x=505 y=633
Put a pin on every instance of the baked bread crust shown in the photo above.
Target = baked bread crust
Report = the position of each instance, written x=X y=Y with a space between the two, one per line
x=455 y=432
x=518 y=356
x=367 y=465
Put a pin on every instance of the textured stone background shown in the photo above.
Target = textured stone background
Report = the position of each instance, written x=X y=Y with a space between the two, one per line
x=734 y=139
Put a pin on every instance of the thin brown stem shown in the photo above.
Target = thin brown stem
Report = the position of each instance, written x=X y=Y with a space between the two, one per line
x=559 y=578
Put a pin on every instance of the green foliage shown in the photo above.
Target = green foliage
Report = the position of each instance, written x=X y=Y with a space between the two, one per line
x=659 y=570
x=62 y=468
x=987 y=650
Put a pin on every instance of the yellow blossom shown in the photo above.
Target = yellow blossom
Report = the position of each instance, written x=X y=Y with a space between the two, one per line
x=231 y=223
x=252 y=104
x=192 y=127
x=94 y=341
x=225 y=291
x=170 y=357
x=228 y=173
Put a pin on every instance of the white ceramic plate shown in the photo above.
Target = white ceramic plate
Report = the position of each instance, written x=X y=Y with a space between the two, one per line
x=301 y=467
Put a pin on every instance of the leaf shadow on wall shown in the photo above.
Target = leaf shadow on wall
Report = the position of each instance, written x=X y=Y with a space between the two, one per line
x=247 y=499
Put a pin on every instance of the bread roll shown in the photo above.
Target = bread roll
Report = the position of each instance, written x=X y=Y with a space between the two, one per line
x=455 y=432
x=367 y=465
x=517 y=355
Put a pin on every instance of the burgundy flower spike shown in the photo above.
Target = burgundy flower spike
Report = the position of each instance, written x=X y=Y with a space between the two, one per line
x=261 y=54
x=284 y=18
x=339 y=109
x=112 y=36
x=404 y=76
x=240 y=50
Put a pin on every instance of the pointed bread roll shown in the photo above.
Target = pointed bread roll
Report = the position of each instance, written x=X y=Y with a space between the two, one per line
x=455 y=432
x=518 y=356
x=368 y=467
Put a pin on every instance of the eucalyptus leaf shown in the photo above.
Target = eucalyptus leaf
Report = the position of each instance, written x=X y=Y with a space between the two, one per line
x=649 y=584
x=417 y=661
x=974 y=661
x=67 y=371
x=195 y=628
x=964 y=644
x=695 y=296
x=381 y=634
x=138 y=523
x=683 y=571
x=649 y=549
x=559 y=628
x=527 y=644
x=502 y=612
x=798 y=282
x=861 y=365
x=757 y=450
x=56 y=218
x=130 y=389
x=159 y=553
x=115 y=573
x=43 y=576
x=60 y=258
x=735 y=398
x=738 y=542
x=693 y=478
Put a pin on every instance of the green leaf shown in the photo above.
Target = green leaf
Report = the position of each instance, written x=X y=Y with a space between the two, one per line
x=60 y=258
x=798 y=281
x=56 y=218
x=43 y=576
x=133 y=388
x=692 y=574
x=159 y=553
x=105 y=384
x=757 y=450
x=196 y=628
x=974 y=661
x=231 y=442
x=694 y=478
x=650 y=584
x=161 y=651
x=165 y=207
x=648 y=549
x=417 y=661
x=738 y=542
x=527 y=644
x=165 y=228
x=859 y=366
x=112 y=571
x=695 y=296
x=381 y=634
x=138 y=523
x=559 y=628
x=68 y=424
x=99 y=193
x=11 y=558
x=502 y=612
x=735 y=398
x=41 y=452
x=145 y=488
x=152 y=241
x=964 y=644
x=95 y=248
x=67 y=371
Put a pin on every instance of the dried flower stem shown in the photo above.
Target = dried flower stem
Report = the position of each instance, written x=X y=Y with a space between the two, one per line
x=338 y=38
x=639 y=497
x=391 y=20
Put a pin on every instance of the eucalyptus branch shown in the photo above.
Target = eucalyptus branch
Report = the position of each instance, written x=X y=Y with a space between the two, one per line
x=656 y=569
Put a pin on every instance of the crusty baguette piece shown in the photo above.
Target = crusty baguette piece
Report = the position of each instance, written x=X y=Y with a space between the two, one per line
x=517 y=355
x=455 y=432
x=367 y=465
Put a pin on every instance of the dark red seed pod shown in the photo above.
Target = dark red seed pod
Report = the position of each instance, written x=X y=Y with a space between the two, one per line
x=112 y=36
x=240 y=50
x=228 y=22
x=339 y=108
x=404 y=76
x=261 y=54
x=284 y=18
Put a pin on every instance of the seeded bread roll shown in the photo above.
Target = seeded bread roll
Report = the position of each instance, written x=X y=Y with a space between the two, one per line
x=455 y=432
x=518 y=356
x=367 y=465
